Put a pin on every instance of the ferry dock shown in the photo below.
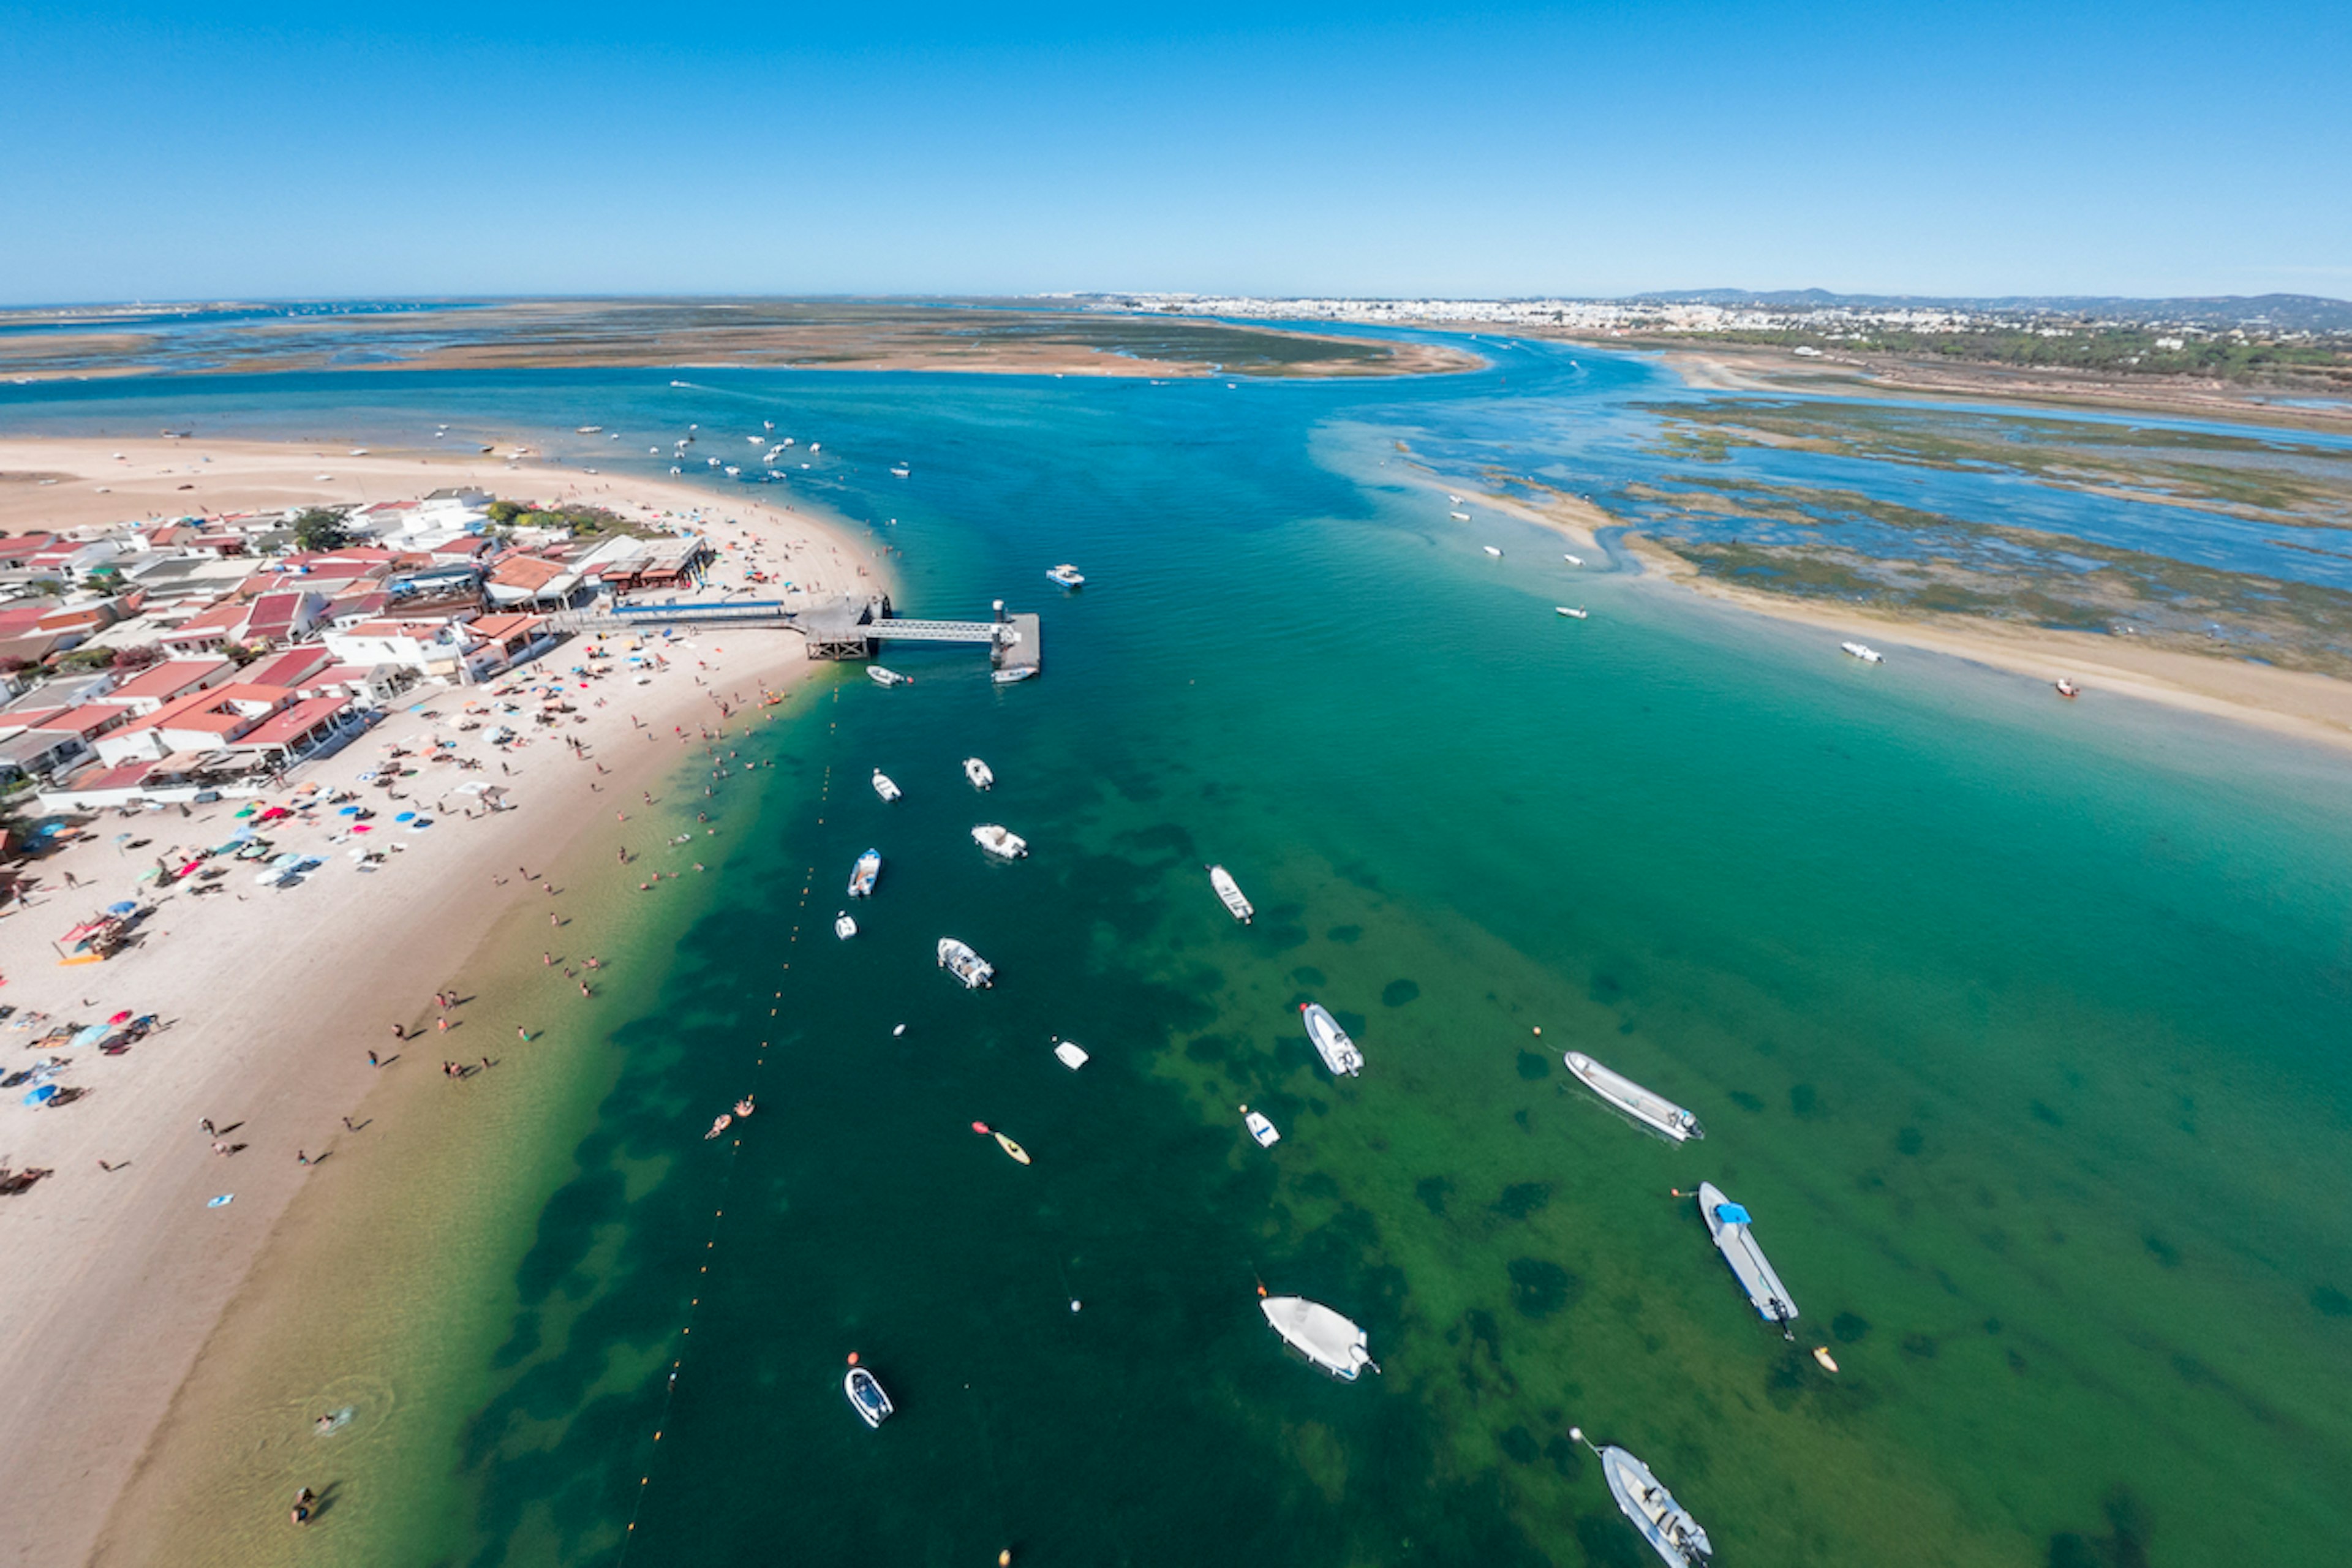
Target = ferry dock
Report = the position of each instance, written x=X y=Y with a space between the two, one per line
x=841 y=628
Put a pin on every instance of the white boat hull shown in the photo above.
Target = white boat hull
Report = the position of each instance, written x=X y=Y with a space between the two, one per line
x=969 y=968
x=885 y=787
x=978 y=772
x=1229 y=893
x=1738 y=1244
x=1000 y=842
x=1324 y=1337
x=1665 y=1523
x=1653 y=1110
x=1332 y=1042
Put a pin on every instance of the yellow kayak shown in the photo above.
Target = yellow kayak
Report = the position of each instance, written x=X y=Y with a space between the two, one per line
x=1010 y=1147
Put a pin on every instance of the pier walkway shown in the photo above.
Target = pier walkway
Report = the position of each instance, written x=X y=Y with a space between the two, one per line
x=841 y=628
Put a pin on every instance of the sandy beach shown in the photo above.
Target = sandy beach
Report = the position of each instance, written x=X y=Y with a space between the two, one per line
x=271 y=1000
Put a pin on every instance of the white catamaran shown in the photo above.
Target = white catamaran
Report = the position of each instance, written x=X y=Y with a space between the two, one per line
x=1322 y=1335
x=1728 y=1224
x=1650 y=1109
x=1332 y=1042
x=1230 y=892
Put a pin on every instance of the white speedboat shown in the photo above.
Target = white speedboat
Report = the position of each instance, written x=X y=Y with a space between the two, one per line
x=862 y=875
x=866 y=1396
x=1728 y=1224
x=1459 y=516
x=2068 y=689
x=1650 y=1109
x=1331 y=1342
x=1260 y=1127
x=1069 y=1054
x=902 y=470
x=1864 y=652
x=966 y=965
x=977 y=771
x=1332 y=1042
x=1068 y=575
x=884 y=787
x=1013 y=674
x=881 y=677
x=1573 y=560
x=1665 y=1523
x=1001 y=842
x=1492 y=551
x=1229 y=891
x=843 y=927
x=1574 y=612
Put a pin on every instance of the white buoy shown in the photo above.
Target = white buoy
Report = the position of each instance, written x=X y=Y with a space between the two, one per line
x=1074 y=1303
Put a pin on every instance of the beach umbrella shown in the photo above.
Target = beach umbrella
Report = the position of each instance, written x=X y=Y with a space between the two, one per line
x=405 y=816
x=42 y=1095
x=244 y=811
x=362 y=827
x=125 y=907
x=121 y=1017
x=88 y=1036
x=349 y=811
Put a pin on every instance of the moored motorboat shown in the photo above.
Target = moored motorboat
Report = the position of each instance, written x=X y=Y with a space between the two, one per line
x=1492 y=551
x=1728 y=1224
x=1572 y=560
x=1260 y=1127
x=1326 y=1338
x=1013 y=674
x=1864 y=652
x=977 y=771
x=1332 y=1042
x=1459 y=516
x=866 y=1396
x=843 y=927
x=1068 y=575
x=881 y=677
x=885 y=787
x=1229 y=892
x=1576 y=614
x=902 y=470
x=1001 y=842
x=1665 y=1523
x=1650 y=1109
x=862 y=875
x=959 y=960
x=1070 y=1054
x=2068 y=689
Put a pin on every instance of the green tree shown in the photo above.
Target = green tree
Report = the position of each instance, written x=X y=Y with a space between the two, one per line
x=320 y=528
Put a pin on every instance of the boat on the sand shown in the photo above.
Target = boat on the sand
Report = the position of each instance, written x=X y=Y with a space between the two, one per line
x=1650 y=1109
x=1727 y=1223
x=1324 y=1337
x=959 y=960
x=1332 y=1042
x=1229 y=893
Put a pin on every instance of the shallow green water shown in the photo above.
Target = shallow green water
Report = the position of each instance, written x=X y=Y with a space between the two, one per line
x=2018 y=1025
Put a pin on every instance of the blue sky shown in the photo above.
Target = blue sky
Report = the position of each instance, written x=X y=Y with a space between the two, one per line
x=240 y=151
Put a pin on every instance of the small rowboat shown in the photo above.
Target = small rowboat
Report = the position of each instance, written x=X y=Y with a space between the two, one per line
x=1069 y=1054
x=866 y=1396
x=1260 y=1127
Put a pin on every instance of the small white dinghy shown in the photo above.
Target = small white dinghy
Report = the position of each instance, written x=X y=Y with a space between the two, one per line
x=1001 y=842
x=1576 y=614
x=1332 y=1042
x=843 y=927
x=881 y=677
x=1864 y=652
x=1229 y=892
x=884 y=787
x=977 y=771
x=1665 y=1523
x=1490 y=550
x=866 y=1396
x=1331 y=1342
x=1572 y=560
x=1069 y=1054
x=1459 y=516
x=1728 y=1224
x=1260 y=1127
x=1651 y=1109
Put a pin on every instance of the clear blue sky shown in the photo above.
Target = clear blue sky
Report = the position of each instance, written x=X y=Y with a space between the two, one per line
x=230 y=150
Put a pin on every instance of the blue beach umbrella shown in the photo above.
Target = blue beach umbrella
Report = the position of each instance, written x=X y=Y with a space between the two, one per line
x=42 y=1095
x=222 y=1200
x=405 y=816
x=349 y=811
x=125 y=907
x=90 y=1036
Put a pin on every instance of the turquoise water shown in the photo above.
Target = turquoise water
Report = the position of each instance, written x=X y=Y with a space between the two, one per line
x=2018 y=1025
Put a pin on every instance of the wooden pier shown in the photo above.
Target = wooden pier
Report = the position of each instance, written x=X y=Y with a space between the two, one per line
x=841 y=628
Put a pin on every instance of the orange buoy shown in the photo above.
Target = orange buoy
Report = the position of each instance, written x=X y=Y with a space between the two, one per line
x=852 y=1358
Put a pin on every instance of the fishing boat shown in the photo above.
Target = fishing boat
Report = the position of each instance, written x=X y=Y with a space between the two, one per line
x=866 y=1396
x=884 y=787
x=1001 y=842
x=720 y=1125
x=1576 y=612
x=966 y=965
x=1068 y=575
x=862 y=875
x=1013 y=674
x=901 y=470
x=881 y=677
x=1069 y=1054
x=1728 y=1224
x=680 y=384
x=1492 y=551
x=1665 y=1523
x=1864 y=652
x=1324 y=1337
x=1230 y=894
x=1260 y=1127
x=1459 y=516
x=1573 y=560
x=977 y=771
x=1019 y=1155
x=843 y=927
x=2068 y=689
x=1650 y=1109
x=1332 y=1042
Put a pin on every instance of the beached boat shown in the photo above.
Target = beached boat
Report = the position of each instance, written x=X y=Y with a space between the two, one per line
x=1260 y=1127
x=1229 y=893
x=1728 y=1224
x=977 y=771
x=1332 y=1042
x=1651 y=1109
x=1324 y=1337
x=1070 y=1054
x=862 y=875
x=1864 y=652
x=1068 y=575
x=2068 y=689
x=1451 y=497
x=843 y=927
x=865 y=1396
x=1576 y=612
x=884 y=787
x=1665 y=1523
x=881 y=677
x=1001 y=842
x=966 y=965
x=1490 y=550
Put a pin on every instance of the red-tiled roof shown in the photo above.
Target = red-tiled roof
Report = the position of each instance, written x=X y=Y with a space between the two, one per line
x=282 y=727
x=169 y=678
x=85 y=720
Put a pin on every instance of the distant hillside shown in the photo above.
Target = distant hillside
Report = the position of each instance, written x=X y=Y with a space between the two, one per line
x=2277 y=312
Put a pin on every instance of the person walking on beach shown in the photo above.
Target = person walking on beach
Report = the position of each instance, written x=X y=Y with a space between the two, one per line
x=373 y=1060
x=206 y=1124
